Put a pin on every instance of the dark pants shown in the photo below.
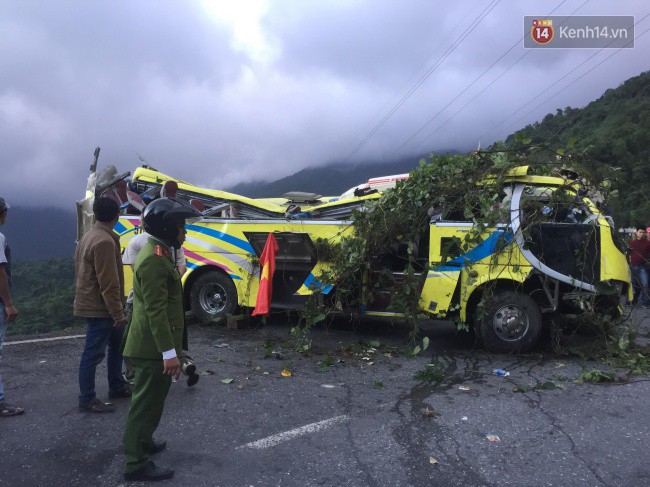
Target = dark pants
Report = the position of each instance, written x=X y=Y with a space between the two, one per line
x=100 y=334
x=640 y=279
x=147 y=403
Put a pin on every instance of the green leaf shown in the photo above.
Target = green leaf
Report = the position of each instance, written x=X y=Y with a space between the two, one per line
x=227 y=381
x=416 y=350
x=425 y=343
x=378 y=384
x=375 y=343
x=319 y=317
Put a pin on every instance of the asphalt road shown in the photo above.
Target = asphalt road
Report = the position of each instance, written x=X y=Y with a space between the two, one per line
x=361 y=421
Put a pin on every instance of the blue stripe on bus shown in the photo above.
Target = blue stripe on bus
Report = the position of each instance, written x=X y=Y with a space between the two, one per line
x=119 y=228
x=489 y=246
x=311 y=280
x=237 y=242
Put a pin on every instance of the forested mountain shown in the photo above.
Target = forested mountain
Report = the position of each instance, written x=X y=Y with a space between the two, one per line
x=330 y=180
x=613 y=129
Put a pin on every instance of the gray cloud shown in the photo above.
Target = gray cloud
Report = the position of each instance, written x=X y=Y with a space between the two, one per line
x=218 y=103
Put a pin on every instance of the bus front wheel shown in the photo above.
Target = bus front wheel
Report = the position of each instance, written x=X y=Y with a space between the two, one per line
x=511 y=323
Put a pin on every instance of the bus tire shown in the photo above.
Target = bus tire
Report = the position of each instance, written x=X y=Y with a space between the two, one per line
x=213 y=295
x=512 y=323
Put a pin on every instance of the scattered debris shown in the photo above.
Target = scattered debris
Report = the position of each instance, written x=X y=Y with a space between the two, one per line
x=42 y=361
x=328 y=386
x=493 y=438
x=430 y=413
x=286 y=373
x=464 y=388
x=221 y=345
x=227 y=381
x=378 y=384
x=208 y=372
x=433 y=372
x=501 y=372
x=559 y=365
x=595 y=376
x=464 y=418
x=432 y=461
x=548 y=385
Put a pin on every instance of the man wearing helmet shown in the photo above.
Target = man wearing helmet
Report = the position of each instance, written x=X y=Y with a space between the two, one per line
x=153 y=341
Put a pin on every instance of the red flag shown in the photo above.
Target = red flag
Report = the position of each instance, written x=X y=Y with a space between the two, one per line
x=265 y=290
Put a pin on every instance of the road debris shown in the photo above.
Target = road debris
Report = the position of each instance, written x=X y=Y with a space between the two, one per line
x=286 y=373
x=501 y=372
x=430 y=413
x=464 y=418
x=464 y=388
x=493 y=438
x=433 y=461
x=227 y=381
x=208 y=372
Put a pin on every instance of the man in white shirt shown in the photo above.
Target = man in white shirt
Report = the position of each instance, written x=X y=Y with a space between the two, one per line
x=135 y=246
x=8 y=311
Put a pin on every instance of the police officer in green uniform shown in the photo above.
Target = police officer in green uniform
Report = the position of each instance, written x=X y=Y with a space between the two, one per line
x=153 y=340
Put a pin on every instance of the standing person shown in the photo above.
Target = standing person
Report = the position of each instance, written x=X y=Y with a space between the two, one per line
x=129 y=257
x=639 y=260
x=99 y=285
x=137 y=243
x=154 y=338
x=8 y=311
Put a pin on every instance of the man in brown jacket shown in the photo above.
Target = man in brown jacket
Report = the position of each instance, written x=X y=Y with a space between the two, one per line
x=99 y=285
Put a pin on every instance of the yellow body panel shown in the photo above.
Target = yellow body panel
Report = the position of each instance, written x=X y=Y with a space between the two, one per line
x=222 y=244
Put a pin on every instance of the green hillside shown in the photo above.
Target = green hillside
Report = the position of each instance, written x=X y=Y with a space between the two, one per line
x=614 y=129
x=43 y=292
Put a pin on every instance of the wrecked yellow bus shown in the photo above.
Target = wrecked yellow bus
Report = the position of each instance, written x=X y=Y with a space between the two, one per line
x=527 y=278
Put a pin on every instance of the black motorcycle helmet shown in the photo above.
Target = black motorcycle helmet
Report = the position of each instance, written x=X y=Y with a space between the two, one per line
x=162 y=216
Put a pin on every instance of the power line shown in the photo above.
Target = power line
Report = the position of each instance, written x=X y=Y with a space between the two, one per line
x=417 y=70
x=585 y=74
x=527 y=104
x=443 y=124
x=467 y=87
x=425 y=76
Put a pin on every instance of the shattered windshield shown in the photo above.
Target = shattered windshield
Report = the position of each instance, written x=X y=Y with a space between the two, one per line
x=552 y=205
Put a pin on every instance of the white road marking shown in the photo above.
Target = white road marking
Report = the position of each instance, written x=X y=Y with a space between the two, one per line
x=273 y=440
x=37 y=340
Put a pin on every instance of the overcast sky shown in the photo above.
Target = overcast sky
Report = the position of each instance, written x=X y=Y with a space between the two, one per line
x=223 y=91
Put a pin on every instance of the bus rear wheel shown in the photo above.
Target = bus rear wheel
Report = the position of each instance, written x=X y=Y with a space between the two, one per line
x=213 y=295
